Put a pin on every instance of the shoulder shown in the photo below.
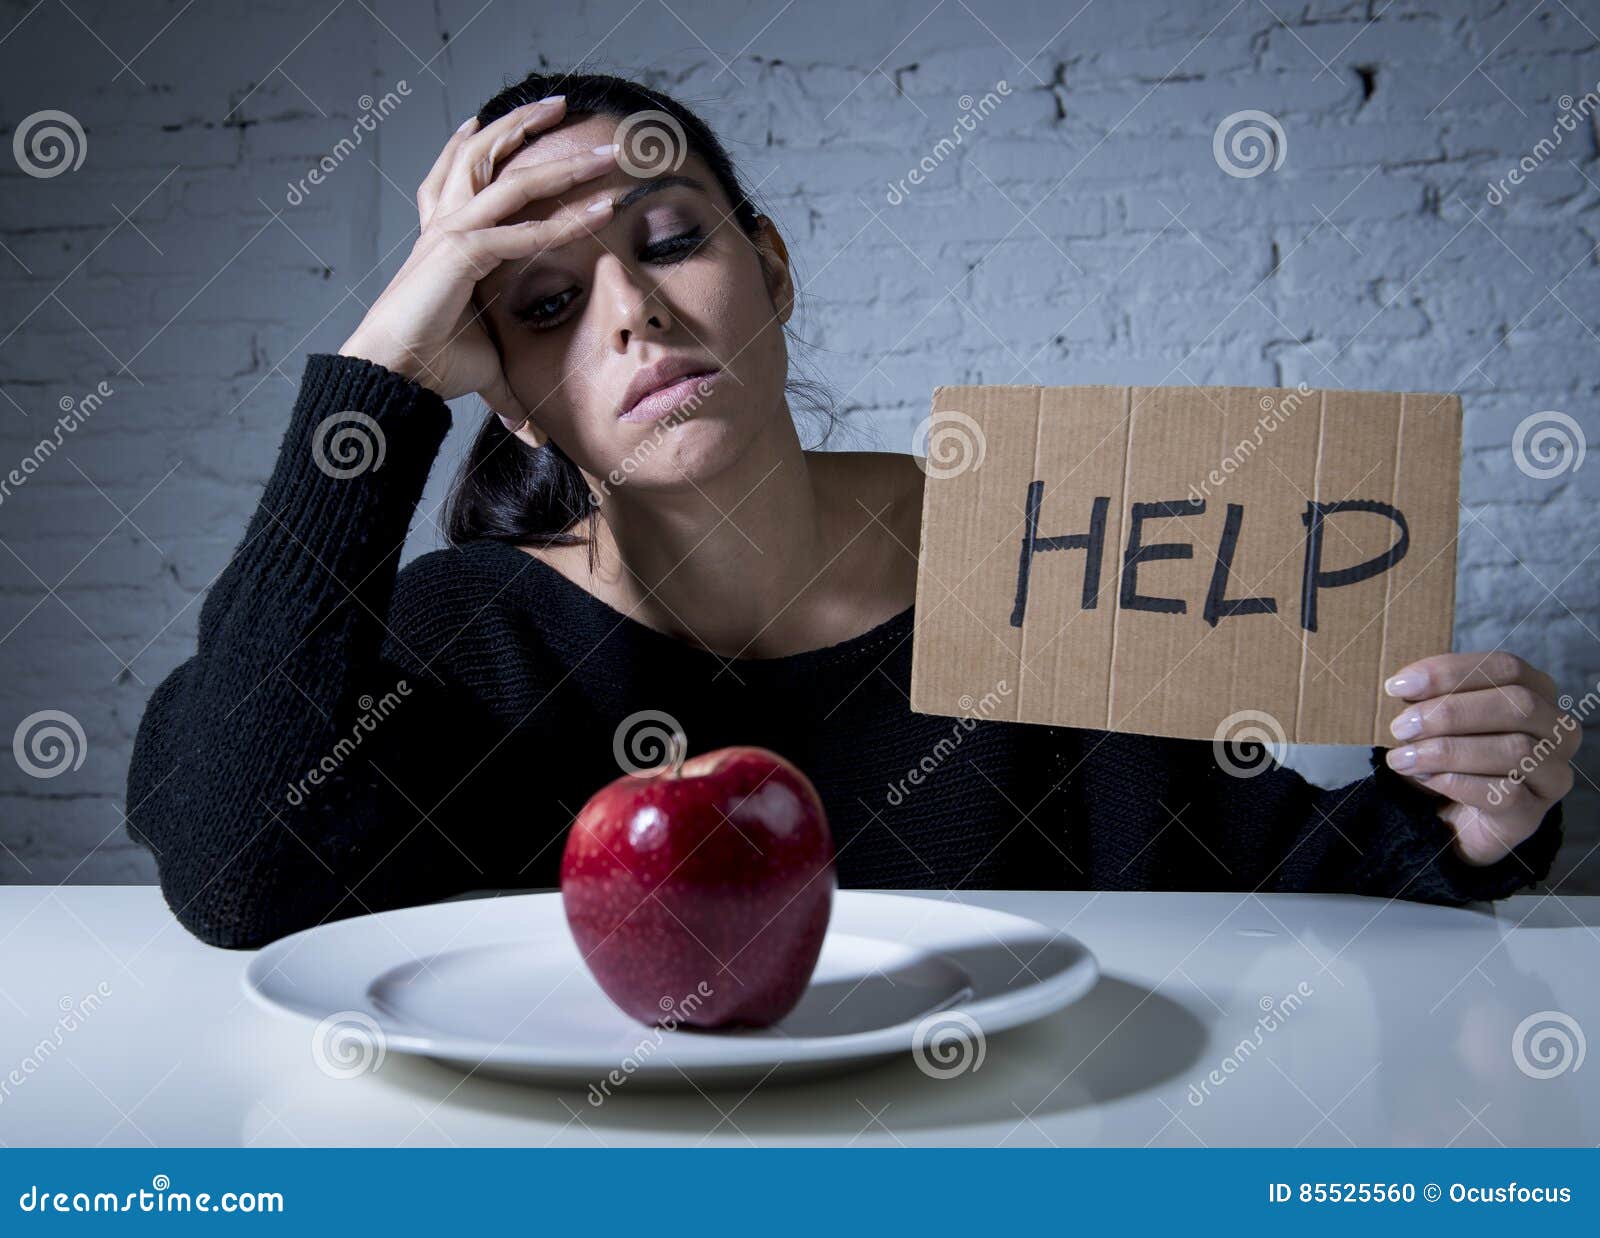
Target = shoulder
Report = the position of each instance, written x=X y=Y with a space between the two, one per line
x=452 y=570
x=442 y=592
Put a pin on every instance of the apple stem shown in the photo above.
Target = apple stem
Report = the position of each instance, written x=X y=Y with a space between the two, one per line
x=675 y=754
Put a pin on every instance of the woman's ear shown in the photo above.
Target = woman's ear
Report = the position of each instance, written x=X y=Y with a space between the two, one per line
x=521 y=425
x=503 y=403
x=775 y=265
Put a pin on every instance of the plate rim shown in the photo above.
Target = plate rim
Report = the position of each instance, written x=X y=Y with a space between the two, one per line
x=995 y=1013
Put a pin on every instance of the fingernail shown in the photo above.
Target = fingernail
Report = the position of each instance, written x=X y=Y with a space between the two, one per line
x=607 y=149
x=598 y=205
x=1406 y=683
x=1407 y=725
x=1402 y=758
x=552 y=98
x=466 y=124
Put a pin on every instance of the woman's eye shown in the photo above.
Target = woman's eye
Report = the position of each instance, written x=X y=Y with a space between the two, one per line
x=546 y=311
x=675 y=248
x=543 y=310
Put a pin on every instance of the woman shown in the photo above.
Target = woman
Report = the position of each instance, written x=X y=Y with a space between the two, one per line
x=350 y=737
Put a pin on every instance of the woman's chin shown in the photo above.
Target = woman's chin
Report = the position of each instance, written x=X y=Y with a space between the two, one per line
x=691 y=454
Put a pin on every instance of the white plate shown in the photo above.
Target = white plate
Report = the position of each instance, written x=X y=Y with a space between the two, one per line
x=497 y=986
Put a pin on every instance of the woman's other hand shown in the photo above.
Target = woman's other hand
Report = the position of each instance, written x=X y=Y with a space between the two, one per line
x=1485 y=732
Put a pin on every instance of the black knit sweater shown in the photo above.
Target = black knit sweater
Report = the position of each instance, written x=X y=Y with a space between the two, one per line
x=351 y=737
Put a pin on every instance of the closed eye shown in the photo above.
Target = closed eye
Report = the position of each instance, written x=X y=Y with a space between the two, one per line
x=548 y=311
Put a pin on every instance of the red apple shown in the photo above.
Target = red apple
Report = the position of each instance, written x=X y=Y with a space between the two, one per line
x=699 y=894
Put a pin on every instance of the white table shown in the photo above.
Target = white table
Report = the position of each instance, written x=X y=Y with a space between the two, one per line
x=1401 y=1033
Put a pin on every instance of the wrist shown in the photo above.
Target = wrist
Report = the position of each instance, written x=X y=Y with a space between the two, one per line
x=396 y=361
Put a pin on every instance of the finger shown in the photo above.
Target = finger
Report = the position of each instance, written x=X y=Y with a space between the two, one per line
x=515 y=190
x=1454 y=672
x=1502 y=798
x=1551 y=780
x=533 y=237
x=1483 y=838
x=1498 y=756
x=433 y=182
x=473 y=255
x=1482 y=712
x=475 y=161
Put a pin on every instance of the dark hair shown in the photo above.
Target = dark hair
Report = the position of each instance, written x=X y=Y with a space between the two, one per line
x=506 y=490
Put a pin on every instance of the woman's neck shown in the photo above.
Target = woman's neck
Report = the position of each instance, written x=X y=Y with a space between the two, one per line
x=739 y=563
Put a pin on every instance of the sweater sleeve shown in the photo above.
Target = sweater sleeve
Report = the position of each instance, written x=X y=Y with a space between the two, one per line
x=1379 y=835
x=306 y=763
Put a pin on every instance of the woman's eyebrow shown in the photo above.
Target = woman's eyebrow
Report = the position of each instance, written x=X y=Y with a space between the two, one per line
x=654 y=186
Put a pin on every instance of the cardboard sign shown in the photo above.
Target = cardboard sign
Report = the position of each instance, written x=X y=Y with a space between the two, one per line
x=1204 y=562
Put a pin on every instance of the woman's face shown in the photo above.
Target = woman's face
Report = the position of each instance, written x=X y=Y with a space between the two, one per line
x=670 y=276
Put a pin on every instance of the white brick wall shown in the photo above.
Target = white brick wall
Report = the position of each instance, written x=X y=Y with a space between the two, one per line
x=1082 y=232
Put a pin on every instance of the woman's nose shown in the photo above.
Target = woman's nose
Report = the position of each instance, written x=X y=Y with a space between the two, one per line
x=637 y=307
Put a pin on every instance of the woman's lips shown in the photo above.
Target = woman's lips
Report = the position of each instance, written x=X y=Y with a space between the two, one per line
x=665 y=399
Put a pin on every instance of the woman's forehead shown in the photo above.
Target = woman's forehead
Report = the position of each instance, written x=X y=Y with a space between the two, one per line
x=564 y=140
